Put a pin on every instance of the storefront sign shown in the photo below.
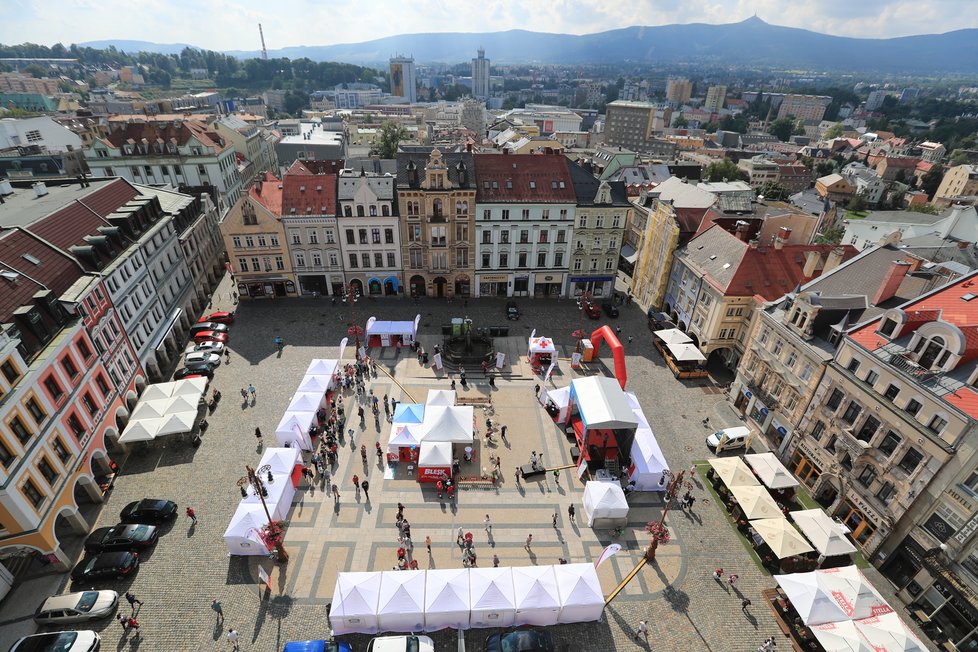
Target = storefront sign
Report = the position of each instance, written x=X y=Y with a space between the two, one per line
x=493 y=278
x=432 y=474
x=290 y=287
x=591 y=279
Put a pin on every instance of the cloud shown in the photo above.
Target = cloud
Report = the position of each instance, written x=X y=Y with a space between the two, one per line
x=233 y=24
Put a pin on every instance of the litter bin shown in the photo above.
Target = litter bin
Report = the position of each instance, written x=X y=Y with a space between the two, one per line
x=587 y=350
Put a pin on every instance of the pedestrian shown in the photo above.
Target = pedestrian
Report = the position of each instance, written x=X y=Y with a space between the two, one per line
x=630 y=339
x=192 y=515
x=244 y=393
x=336 y=493
x=718 y=574
x=133 y=601
x=536 y=390
x=122 y=620
x=233 y=639
x=533 y=460
x=460 y=539
x=227 y=356
x=529 y=541
x=252 y=391
x=685 y=500
x=366 y=490
x=642 y=630
x=571 y=512
x=618 y=330
x=356 y=484
x=692 y=472
x=488 y=524
x=133 y=624
x=744 y=604
x=258 y=436
x=218 y=609
x=557 y=477
x=495 y=561
x=555 y=520
x=502 y=432
x=689 y=505
x=517 y=476
x=427 y=543
x=731 y=578
x=363 y=453
x=360 y=413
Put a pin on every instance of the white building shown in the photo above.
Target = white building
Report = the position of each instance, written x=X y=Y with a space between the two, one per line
x=957 y=223
x=42 y=131
x=404 y=79
x=480 y=76
x=254 y=143
x=369 y=232
x=867 y=183
x=716 y=96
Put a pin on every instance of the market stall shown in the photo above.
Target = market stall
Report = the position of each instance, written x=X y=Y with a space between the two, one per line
x=451 y=424
x=355 y=600
x=832 y=595
x=827 y=536
x=166 y=409
x=493 y=597
x=293 y=430
x=243 y=535
x=443 y=397
x=581 y=597
x=306 y=402
x=603 y=421
x=286 y=461
x=400 y=601
x=408 y=413
x=392 y=333
x=434 y=461
x=649 y=468
x=447 y=599
x=556 y=402
x=322 y=367
x=605 y=505
x=537 y=600
x=540 y=352
x=280 y=493
x=404 y=442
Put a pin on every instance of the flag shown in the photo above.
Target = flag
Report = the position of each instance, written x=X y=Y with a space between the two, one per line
x=342 y=348
x=607 y=553
x=581 y=468
x=265 y=578
x=550 y=369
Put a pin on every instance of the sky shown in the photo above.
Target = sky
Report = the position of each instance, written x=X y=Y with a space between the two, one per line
x=233 y=24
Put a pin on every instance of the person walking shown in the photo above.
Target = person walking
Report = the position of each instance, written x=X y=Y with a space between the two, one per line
x=133 y=624
x=495 y=561
x=427 y=543
x=744 y=604
x=336 y=493
x=555 y=520
x=689 y=503
x=219 y=610
x=529 y=541
x=133 y=601
x=518 y=476
x=488 y=524
x=356 y=484
x=718 y=574
x=233 y=638
x=557 y=477
x=252 y=391
x=731 y=578
x=571 y=512
x=502 y=432
x=630 y=338
x=192 y=515
x=642 y=630
x=258 y=436
x=536 y=390
x=366 y=489
x=460 y=539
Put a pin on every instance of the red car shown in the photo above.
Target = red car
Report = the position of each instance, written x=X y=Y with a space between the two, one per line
x=220 y=317
x=209 y=336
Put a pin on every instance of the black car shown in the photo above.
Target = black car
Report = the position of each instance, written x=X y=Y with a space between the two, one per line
x=151 y=511
x=610 y=309
x=209 y=326
x=193 y=370
x=122 y=537
x=106 y=564
x=512 y=311
x=523 y=640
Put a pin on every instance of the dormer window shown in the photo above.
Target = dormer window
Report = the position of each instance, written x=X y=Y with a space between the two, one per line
x=887 y=327
x=932 y=351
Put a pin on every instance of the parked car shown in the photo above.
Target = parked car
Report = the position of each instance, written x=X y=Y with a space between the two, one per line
x=76 y=607
x=149 y=511
x=736 y=437
x=610 y=308
x=196 y=370
x=405 y=643
x=522 y=640
x=124 y=536
x=219 y=317
x=83 y=641
x=209 y=336
x=592 y=310
x=512 y=311
x=202 y=358
x=317 y=646
x=106 y=564
x=211 y=347
x=209 y=326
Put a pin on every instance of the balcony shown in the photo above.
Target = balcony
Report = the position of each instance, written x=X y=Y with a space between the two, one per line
x=900 y=359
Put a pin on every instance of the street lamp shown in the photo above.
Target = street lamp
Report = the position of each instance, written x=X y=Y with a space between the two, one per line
x=658 y=530
x=253 y=478
x=351 y=295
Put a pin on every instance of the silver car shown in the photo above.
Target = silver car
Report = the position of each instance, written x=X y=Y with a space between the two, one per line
x=202 y=357
x=208 y=347
x=76 y=607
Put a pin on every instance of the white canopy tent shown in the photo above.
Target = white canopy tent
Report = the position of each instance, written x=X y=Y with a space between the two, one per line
x=180 y=421
x=293 y=430
x=842 y=636
x=149 y=409
x=404 y=434
x=447 y=423
x=733 y=472
x=850 y=588
x=812 y=603
x=157 y=391
x=581 y=597
x=282 y=460
x=492 y=597
x=755 y=502
x=773 y=474
x=242 y=536
x=686 y=352
x=400 y=601
x=355 y=600
x=440 y=397
x=279 y=498
x=165 y=409
x=537 y=597
x=447 y=599
x=322 y=367
x=306 y=402
x=605 y=504
x=648 y=462
x=673 y=336
x=783 y=540
x=435 y=454
x=824 y=533
x=889 y=632
x=602 y=403
x=560 y=397
x=144 y=430
x=385 y=330
x=315 y=384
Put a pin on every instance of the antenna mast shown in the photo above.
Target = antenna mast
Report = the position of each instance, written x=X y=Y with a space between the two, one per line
x=264 y=52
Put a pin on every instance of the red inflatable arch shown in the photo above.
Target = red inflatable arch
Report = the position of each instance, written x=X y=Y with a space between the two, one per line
x=606 y=334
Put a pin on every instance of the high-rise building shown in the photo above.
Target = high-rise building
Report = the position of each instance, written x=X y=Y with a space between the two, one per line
x=715 y=98
x=679 y=90
x=810 y=108
x=403 y=79
x=480 y=76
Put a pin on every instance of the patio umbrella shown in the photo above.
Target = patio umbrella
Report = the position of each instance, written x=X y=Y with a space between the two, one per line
x=813 y=604
x=887 y=632
x=756 y=502
x=771 y=471
x=840 y=637
x=781 y=537
x=673 y=336
x=733 y=472
x=853 y=592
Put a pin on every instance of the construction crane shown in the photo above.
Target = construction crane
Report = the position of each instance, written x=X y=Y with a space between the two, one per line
x=264 y=52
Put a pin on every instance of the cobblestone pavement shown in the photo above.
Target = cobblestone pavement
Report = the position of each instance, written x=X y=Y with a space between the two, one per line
x=685 y=607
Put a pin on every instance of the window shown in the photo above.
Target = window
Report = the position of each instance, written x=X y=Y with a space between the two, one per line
x=351 y=237
x=524 y=237
x=486 y=261
x=391 y=259
x=20 y=431
x=543 y=237
x=76 y=425
x=504 y=237
x=330 y=237
x=359 y=211
x=911 y=459
x=487 y=237
x=36 y=412
x=486 y=214
x=439 y=236
x=363 y=235
x=817 y=430
x=563 y=213
x=53 y=387
x=847 y=462
x=503 y=259
x=83 y=349
x=972 y=482
x=102 y=385
x=545 y=214
x=313 y=237
x=867 y=476
x=937 y=424
x=373 y=211
x=60 y=450
x=32 y=494
x=505 y=213
x=852 y=412
x=375 y=236
x=790 y=361
x=280 y=263
x=262 y=241
x=297 y=239
x=594 y=264
x=723 y=334
x=730 y=312
x=6 y=457
x=609 y=264
x=9 y=372
x=583 y=221
x=385 y=210
x=559 y=259
x=414 y=233
x=334 y=260
x=354 y=264
x=378 y=259
x=50 y=475
x=869 y=428
x=889 y=443
x=365 y=259
x=69 y=367
x=886 y=493
x=461 y=257
x=853 y=365
x=835 y=399
x=871 y=378
x=317 y=259
x=461 y=233
x=236 y=241
x=389 y=236
x=243 y=264
x=521 y=259
x=541 y=259
x=887 y=327
x=525 y=214
x=416 y=258
x=561 y=237
x=300 y=260
x=597 y=242
x=913 y=407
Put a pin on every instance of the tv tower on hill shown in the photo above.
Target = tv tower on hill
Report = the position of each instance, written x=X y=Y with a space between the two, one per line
x=264 y=52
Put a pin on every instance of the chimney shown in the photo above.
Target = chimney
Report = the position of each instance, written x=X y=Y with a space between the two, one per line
x=915 y=262
x=812 y=259
x=753 y=243
x=784 y=234
x=834 y=259
x=891 y=282
x=40 y=189
x=743 y=230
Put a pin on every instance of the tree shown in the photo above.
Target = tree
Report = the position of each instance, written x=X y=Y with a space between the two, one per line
x=958 y=158
x=824 y=168
x=929 y=209
x=857 y=204
x=725 y=170
x=831 y=236
x=834 y=131
x=738 y=123
x=931 y=180
x=773 y=190
x=782 y=128
x=680 y=122
x=391 y=135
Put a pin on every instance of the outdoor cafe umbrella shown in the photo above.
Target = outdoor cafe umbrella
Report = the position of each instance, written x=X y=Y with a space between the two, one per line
x=755 y=502
x=733 y=472
x=783 y=539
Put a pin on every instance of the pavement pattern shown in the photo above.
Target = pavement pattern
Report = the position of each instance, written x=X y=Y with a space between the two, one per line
x=685 y=608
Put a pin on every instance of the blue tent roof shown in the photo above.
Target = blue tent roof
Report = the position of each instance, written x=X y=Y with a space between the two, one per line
x=409 y=413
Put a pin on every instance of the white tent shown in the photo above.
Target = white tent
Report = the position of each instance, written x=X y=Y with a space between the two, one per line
x=165 y=409
x=637 y=411
x=850 y=588
x=559 y=397
x=771 y=471
x=400 y=601
x=447 y=423
x=315 y=384
x=755 y=502
x=406 y=330
x=182 y=421
x=243 y=534
x=783 y=540
x=150 y=409
x=279 y=498
x=440 y=397
x=322 y=367
x=293 y=430
x=733 y=472
x=602 y=403
x=192 y=387
x=648 y=462
x=405 y=434
x=537 y=597
x=888 y=632
x=686 y=353
x=605 y=504
x=447 y=599
x=282 y=460
x=541 y=345
x=355 y=600
x=435 y=453
x=840 y=637
x=812 y=603
x=825 y=534
x=673 y=336
x=144 y=430
x=492 y=597
x=306 y=402
x=581 y=597
x=157 y=391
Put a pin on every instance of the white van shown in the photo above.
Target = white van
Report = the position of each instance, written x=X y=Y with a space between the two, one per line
x=736 y=437
x=408 y=643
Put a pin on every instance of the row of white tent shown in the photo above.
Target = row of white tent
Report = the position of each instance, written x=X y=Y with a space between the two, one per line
x=243 y=534
x=463 y=598
x=293 y=428
x=165 y=409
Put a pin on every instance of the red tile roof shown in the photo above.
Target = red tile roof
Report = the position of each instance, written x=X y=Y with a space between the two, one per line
x=309 y=194
x=179 y=132
x=315 y=167
x=770 y=272
x=55 y=270
x=509 y=177
x=267 y=191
